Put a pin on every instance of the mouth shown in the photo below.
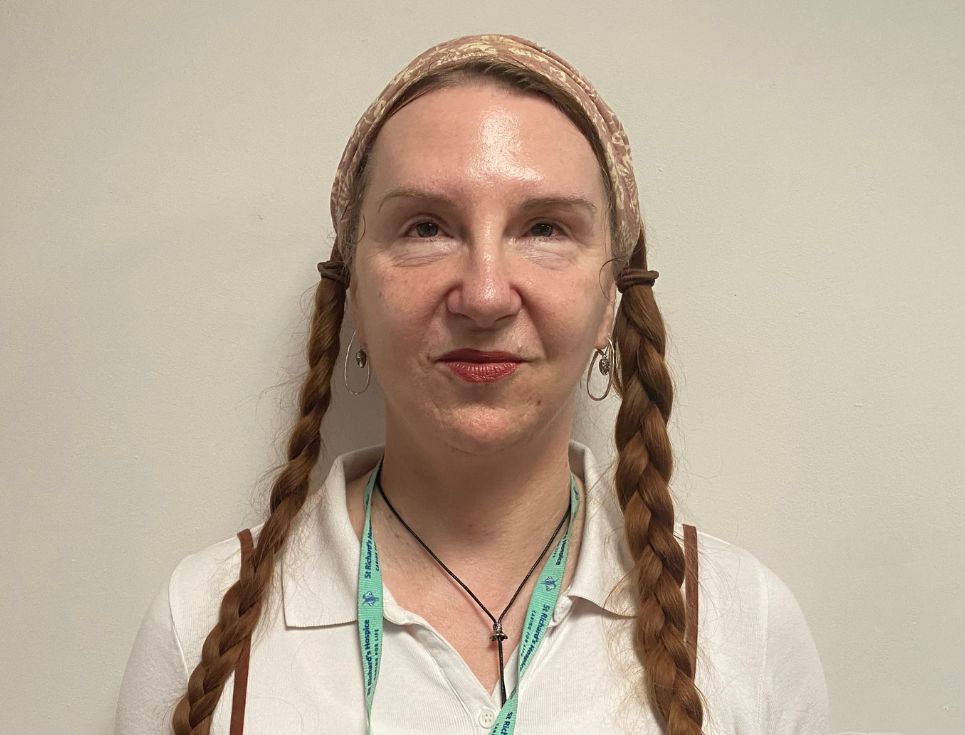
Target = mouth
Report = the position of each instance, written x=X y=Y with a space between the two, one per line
x=478 y=366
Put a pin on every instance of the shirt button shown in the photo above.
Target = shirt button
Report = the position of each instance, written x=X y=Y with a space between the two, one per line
x=486 y=718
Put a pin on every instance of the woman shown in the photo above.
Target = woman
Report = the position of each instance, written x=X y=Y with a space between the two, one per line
x=479 y=570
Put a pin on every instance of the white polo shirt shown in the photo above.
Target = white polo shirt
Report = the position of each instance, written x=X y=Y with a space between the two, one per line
x=757 y=666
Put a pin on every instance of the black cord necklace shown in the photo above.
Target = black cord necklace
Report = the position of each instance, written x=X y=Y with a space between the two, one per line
x=498 y=635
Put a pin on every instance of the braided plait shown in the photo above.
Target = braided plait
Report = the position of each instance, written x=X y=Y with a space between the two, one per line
x=242 y=604
x=643 y=473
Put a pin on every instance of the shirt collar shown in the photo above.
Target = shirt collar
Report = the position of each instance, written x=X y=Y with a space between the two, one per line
x=320 y=563
x=605 y=559
x=319 y=566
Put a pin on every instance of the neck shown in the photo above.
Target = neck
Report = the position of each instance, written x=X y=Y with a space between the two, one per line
x=492 y=506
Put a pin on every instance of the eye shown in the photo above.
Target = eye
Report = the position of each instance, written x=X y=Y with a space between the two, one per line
x=543 y=229
x=425 y=229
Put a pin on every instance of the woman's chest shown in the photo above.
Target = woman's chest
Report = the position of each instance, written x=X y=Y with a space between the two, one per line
x=482 y=636
x=310 y=681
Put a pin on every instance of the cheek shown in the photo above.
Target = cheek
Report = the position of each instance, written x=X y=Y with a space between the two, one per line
x=572 y=312
x=396 y=314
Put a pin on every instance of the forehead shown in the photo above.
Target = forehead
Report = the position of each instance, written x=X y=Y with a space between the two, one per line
x=481 y=137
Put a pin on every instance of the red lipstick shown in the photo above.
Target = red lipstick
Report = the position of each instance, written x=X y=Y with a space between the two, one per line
x=478 y=366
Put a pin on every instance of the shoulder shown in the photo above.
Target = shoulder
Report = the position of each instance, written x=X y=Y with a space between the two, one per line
x=196 y=587
x=731 y=575
x=735 y=585
x=318 y=550
x=169 y=640
x=755 y=643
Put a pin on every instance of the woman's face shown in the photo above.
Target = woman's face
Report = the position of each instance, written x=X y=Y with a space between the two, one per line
x=480 y=283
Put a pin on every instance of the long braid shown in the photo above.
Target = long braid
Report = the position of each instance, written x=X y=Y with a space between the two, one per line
x=242 y=604
x=643 y=473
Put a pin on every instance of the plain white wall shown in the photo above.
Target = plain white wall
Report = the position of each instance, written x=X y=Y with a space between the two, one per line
x=165 y=177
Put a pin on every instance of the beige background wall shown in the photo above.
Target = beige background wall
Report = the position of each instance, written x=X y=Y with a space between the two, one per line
x=165 y=174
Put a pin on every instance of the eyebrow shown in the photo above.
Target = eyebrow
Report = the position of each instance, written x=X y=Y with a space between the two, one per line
x=408 y=192
x=559 y=200
x=574 y=201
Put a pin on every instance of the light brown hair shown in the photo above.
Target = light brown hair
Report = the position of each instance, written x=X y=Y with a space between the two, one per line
x=643 y=470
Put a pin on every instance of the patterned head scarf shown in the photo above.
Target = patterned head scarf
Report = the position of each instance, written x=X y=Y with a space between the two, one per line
x=555 y=71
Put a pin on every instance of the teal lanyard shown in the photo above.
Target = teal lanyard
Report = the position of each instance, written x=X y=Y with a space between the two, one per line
x=541 y=606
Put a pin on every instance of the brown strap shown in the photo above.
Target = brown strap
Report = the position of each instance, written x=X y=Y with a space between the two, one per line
x=690 y=590
x=240 y=692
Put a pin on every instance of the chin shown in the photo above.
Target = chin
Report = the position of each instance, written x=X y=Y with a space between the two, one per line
x=484 y=430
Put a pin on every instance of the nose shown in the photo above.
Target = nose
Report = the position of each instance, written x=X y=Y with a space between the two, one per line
x=485 y=292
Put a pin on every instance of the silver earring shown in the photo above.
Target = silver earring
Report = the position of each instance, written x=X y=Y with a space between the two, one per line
x=362 y=360
x=605 y=357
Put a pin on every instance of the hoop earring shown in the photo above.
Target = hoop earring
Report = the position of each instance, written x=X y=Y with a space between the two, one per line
x=362 y=360
x=605 y=357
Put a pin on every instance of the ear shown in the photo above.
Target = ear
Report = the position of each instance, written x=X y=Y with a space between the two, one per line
x=609 y=316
